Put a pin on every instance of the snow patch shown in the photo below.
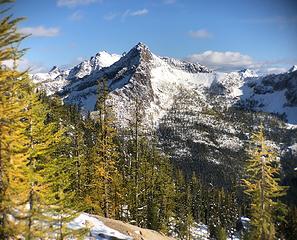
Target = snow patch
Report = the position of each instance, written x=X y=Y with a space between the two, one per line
x=98 y=230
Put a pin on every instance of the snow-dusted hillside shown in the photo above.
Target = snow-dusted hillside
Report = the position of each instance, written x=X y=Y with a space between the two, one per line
x=141 y=75
x=56 y=79
x=274 y=94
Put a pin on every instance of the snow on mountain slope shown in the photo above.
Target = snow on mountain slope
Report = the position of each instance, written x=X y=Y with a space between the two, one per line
x=167 y=79
x=105 y=229
x=247 y=73
x=56 y=79
x=98 y=230
x=293 y=69
x=141 y=76
x=95 y=63
x=128 y=78
x=227 y=84
x=155 y=82
x=53 y=81
x=275 y=94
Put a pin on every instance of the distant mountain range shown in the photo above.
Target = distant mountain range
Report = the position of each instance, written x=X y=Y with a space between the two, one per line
x=156 y=80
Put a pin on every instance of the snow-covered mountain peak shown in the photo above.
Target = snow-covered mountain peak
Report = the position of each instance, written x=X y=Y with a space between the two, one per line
x=138 y=57
x=141 y=46
x=102 y=53
x=248 y=73
x=292 y=69
x=142 y=51
x=104 y=59
x=95 y=63
x=54 y=73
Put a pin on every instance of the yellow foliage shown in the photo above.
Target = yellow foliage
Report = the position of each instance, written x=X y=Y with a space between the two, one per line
x=262 y=186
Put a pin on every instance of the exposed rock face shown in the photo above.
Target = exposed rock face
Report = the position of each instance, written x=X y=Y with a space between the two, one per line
x=186 y=66
x=286 y=82
x=135 y=232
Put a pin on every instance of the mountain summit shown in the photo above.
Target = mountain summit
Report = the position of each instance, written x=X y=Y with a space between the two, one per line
x=293 y=69
x=156 y=81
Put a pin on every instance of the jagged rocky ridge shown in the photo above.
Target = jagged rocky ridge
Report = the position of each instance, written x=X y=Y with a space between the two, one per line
x=155 y=80
x=204 y=118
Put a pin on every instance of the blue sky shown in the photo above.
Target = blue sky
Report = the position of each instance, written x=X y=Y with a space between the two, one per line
x=223 y=34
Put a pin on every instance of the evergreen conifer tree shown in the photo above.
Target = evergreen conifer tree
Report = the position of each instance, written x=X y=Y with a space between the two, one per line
x=104 y=157
x=12 y=142
x=183 y=213
x=262 y=185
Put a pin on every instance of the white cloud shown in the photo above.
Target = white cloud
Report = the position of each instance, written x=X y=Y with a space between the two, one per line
x=223 y=61
x=24 y=64
x=276 y=70
x=128 y=13
x=33 y=67
x=200 y=33
x=234 y=61
x=40 y=31
x=137 y=13
x=140 y=12
x=74 y=3
x=76 y=16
